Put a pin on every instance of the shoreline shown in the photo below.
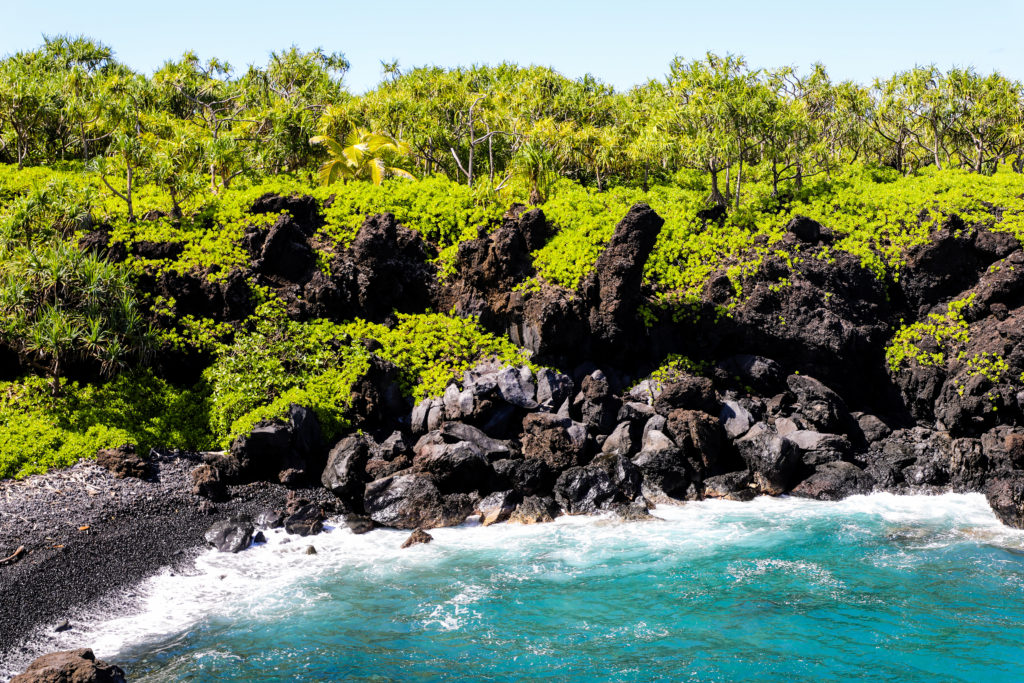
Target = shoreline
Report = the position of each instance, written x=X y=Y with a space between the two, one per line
x=129 y=602
x=136 y=530
x=90 y=536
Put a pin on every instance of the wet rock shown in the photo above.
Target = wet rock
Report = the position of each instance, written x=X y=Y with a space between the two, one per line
x=774 y=461
x=231 y=535
x=730 y=486
x=411 y=501
x=585 y=490
x=835 y=481
x=497 y=507
x=123 y=461
x=1006 y=497
x=71 y=666
x=307 y=520
x=417 y=537
x=310 y=550
x=625 y=475
x=636 y=511
x=260 y=537
x=270 y=519
x=527 y=476
x=359 y=524
x=558 y=442
x=666 y=473
x=535 y=510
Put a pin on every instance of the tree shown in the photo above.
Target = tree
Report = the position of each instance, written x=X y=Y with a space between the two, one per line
x=363 y=156
x=705 y=98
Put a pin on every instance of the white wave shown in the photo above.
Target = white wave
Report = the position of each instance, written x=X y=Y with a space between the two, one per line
x=271 y=578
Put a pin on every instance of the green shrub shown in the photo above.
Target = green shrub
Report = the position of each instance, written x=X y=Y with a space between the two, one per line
x=41 y=431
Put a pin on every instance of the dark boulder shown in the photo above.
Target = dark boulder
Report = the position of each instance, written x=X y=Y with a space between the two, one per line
x=585 y=490
x=622 y=472
x=806 y=230
x=392 y=269
x=305 y=210
x=819 y=405
x=305 y=520
x=666 y=472
x=123 y=461
x=557 y=441
x=699 y=437
x=158 y=251
x=286 y=253
x=689 y=392
x=377 y=399
x=817 y=448
x=345 y=474
x=208 y=483
x=71 y=666
x=231 y=535
x=527 y=476
x=835 y=481
x=1006 y=497
x=459 y=467
x=773 y=461
x=497 y=507
x=413 y=500
x=270 y=519
x=760 y=373
x=730 y=486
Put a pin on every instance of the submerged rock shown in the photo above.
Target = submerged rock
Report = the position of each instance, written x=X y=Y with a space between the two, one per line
x=417 y=537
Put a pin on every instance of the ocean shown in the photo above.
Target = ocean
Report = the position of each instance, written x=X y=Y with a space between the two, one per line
x=879 y=587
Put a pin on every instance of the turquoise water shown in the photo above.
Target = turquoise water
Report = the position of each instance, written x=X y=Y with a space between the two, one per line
x=878 y=587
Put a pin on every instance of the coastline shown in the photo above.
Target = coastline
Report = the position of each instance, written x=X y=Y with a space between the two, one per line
x=134 y=529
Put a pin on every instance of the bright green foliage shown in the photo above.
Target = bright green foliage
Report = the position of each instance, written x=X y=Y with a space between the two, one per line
x=930 y=343
x=41 y=431
x=442 y=211
x=433 y=350
x=282 y=361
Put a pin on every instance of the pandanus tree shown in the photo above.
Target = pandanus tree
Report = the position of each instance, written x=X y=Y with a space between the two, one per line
x=60 y=306
x=364 y=155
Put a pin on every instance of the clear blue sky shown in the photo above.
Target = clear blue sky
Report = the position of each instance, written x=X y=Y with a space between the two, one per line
x=623 y=43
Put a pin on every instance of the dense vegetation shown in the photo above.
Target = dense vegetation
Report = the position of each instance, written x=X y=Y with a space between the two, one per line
x=180 y=156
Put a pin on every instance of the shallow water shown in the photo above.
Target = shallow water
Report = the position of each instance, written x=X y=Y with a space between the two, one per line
x=880 y=587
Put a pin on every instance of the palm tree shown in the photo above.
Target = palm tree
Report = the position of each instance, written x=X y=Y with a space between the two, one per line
x=362 y=157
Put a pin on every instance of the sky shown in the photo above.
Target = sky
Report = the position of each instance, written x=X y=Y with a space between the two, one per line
x=623 y=43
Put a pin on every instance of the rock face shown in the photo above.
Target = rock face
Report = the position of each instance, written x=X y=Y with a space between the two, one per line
x=71 y=666
x=612 y=292
x=793 y=392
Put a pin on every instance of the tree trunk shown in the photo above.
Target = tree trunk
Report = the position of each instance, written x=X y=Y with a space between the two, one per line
x=716 y=194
